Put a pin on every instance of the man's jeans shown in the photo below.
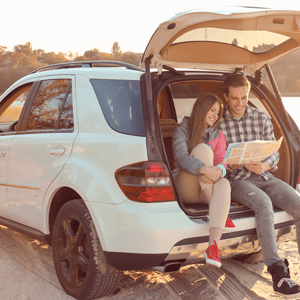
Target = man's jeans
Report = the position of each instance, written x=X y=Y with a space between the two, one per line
x=259 y=195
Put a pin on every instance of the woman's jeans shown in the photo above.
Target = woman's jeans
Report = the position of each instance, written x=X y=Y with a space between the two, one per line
x=260 y=195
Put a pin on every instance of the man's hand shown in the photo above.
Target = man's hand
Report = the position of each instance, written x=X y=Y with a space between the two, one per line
x=258 y=167
x=213 y=174
x=234 y=166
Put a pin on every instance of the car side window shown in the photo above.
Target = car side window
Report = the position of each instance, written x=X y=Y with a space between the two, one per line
x=66 y=120
x=52 y=108
x=12 y=106
x=257 y=103
x=121 y=103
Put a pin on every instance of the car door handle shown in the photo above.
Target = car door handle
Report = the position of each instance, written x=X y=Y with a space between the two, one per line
x=57 y=151
x=2 y=153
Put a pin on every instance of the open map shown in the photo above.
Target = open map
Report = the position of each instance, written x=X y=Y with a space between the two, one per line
x=242 y=153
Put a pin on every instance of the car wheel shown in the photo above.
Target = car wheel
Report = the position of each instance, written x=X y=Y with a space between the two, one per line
x=79 y=260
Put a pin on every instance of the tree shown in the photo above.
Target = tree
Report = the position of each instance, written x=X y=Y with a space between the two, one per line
x=131 y=58
x=234 y=42
x=24 y=59
x=298 y=86
x=39 y=52
x=50 y=58
x=116 y=51
x=2 y=55
x=92 y=54
x=71 y=55
x=79 y=58
x=263 y=48
x=26 y=49
x=2 y=49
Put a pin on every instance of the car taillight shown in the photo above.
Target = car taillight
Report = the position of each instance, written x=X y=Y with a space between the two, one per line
x=146 y=182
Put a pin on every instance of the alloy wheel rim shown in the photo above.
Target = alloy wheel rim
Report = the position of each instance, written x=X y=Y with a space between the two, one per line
x=73 y=251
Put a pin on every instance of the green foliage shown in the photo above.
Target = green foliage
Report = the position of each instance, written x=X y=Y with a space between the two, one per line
x=116 y=54
x=24 y=59
x=287 y=74
x=116 y=51
x=21 y=61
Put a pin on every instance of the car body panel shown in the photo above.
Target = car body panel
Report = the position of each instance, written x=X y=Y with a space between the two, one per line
x=35 y=159
x=166 y=235
x=160 y=227
x=32 y=168
x=133 y=235
x=5 y=143
x=103 y=161
x=195 y=39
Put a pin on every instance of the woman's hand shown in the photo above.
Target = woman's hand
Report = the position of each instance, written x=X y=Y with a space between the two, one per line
x=212 y=174
x=204 y=179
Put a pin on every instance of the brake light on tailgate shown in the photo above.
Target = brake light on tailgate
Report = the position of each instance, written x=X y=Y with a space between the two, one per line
x=146 y=182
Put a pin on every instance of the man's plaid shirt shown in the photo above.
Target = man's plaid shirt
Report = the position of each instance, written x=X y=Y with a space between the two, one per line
x=254 y=125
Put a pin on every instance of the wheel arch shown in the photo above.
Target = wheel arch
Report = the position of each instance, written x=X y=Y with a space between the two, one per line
x=61 y=196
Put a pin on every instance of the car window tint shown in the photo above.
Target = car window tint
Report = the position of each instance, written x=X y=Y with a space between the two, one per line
x=183 y=107
x=14 y=103
x=121 y=103
x=66 y=120
x=184 y=96
x=256 y=41
x=52 y=105
x=257 y=103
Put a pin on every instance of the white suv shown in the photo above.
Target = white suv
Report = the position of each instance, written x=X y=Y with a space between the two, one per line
x=85 y=149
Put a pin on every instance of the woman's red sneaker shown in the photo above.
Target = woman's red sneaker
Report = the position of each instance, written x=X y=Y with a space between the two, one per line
x=229 y=225
x=212 y=255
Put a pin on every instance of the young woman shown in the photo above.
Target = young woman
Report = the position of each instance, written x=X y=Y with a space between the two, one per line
x=199 y=149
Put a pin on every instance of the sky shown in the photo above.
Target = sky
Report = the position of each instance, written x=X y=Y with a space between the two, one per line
x=78 y=26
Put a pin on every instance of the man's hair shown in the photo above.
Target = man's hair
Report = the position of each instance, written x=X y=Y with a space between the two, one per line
x=235 y=80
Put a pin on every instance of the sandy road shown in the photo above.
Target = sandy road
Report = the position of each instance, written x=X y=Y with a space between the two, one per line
x=28 y=274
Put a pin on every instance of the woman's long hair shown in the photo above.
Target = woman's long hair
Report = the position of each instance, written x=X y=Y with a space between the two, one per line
x=197 y=125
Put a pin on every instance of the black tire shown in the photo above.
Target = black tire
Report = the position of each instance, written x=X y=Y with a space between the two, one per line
x=79 y=260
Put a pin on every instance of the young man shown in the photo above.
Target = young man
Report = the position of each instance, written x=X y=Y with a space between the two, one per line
x=253 y=185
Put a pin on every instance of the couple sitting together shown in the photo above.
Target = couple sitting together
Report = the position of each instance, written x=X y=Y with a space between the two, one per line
x=199 y=146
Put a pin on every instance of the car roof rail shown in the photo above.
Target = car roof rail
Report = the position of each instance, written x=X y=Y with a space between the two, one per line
x=88 y=64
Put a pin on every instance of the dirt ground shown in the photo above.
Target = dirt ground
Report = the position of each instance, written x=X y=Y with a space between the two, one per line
x=28 y=274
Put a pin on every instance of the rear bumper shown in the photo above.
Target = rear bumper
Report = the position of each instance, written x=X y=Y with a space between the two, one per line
x=191 y=250
x=232 y=244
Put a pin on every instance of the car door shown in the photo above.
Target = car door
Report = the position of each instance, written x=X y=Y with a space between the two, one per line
x=10 y=110
x=38 y=155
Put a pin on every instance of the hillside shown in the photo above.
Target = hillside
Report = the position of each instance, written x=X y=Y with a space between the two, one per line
x=23 y=59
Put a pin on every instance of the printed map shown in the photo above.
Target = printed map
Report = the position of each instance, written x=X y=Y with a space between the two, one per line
x=242 y=153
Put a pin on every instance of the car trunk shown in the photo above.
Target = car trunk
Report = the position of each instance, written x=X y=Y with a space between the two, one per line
x=224 y=39
x=232 y=39
x=173 y=95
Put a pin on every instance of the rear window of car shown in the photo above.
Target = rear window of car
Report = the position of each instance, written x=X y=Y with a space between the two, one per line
x=256 y=41
x=121 y=103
